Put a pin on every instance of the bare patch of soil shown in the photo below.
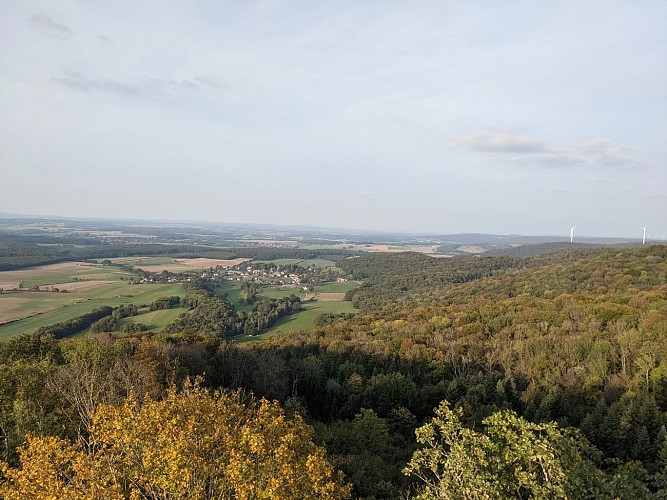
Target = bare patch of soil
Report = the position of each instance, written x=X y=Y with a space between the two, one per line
x=77 y=286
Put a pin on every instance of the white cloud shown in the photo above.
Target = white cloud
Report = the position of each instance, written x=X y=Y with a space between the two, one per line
x=495 y=140
x=510 y=145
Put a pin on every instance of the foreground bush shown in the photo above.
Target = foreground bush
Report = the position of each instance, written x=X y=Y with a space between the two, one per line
x=189 y=445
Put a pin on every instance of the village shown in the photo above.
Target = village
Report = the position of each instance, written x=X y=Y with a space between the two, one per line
x=259 y=273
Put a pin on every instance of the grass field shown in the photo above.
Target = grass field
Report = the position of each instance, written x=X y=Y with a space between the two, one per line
x=154 y=264
x=236 y=296
x=302 y=320
x=280 y=292
x=57 y=307
x=154 y=320
x=95 y=285
x=65 y=272
x=90 y=285
x=233 y=292
x=159 y=264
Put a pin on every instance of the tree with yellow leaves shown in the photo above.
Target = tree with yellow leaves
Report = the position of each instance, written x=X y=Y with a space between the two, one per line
x=188 y=445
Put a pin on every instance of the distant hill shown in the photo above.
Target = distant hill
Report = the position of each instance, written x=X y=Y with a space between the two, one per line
x=538 y=249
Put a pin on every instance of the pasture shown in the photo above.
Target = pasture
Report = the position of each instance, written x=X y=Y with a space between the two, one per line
x=64 y=272
x=231 y=290
x=154 y=320
x=328 y=299
x=88 y=286
x=85 y=286
x=302 y=320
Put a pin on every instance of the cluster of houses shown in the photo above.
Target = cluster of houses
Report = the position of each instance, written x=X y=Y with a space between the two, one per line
x=242 y=272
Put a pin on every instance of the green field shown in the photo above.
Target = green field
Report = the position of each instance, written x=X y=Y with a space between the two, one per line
x=280 y=292
x=37 y=309
x=62 y=307
x=51 y=275
x=302 y=320
x=154 y=320
x=233 y=292
x=283 y=291
x=235 y=295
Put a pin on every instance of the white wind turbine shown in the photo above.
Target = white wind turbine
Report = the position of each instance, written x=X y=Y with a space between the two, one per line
x=643 y=228
x=572 y=234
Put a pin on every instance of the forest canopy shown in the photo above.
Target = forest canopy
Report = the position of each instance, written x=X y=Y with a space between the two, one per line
x=188 y=445
x=560 y=356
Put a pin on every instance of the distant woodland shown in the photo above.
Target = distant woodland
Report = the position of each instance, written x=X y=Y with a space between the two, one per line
x=478 y=377
x=18 y=252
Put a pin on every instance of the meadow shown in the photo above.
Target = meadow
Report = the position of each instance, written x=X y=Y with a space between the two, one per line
x=154 y=320
x=330 y=300
x=90 y=286
x=231 y=290
x=55 y=274
x=303 y=320
x=341 y=287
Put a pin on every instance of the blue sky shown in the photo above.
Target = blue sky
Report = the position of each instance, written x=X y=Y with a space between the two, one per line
x=506 y=117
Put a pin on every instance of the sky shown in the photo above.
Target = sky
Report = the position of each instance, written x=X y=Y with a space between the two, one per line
x=513 y=117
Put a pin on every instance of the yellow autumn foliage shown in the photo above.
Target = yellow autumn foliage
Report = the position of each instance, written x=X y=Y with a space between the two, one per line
x=188 y=445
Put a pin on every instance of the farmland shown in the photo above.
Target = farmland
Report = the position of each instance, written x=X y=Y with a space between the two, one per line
x=323 y=299
x=45 y=295
x=154 y=320
x=231 y=290
x=329 y=298
x=87 y=287
x=54 y=274
x=303 y=320
x=159 y=264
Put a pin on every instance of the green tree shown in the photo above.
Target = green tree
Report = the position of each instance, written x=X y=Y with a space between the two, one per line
x=190 y=445
x=511 y=458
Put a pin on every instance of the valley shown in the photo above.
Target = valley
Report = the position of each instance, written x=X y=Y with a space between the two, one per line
x=364 y=345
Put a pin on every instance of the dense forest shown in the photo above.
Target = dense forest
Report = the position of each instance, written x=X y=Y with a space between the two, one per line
x=489 y=377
